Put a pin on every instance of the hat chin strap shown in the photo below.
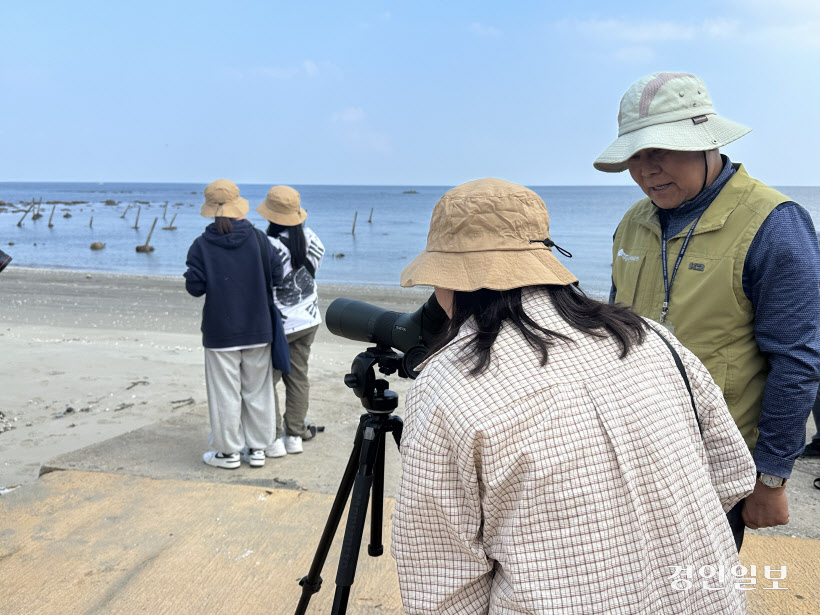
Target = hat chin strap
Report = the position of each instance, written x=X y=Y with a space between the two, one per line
x=706 y=172
x=551 y=244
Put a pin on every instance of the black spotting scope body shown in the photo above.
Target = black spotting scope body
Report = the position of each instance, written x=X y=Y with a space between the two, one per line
x=363 y=322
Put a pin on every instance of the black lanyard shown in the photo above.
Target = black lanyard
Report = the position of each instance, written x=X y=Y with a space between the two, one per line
x=667 y=283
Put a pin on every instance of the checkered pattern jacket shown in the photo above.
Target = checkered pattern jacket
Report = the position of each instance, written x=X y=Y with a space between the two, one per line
x=576 y=487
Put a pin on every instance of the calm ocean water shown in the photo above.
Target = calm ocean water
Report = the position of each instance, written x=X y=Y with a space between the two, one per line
x=583 y=219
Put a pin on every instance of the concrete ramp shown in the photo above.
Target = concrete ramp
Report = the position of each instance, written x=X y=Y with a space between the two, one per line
x=104 y=544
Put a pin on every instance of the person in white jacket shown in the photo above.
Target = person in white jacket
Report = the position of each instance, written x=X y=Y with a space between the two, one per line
x=298 y=301
x=553 y=460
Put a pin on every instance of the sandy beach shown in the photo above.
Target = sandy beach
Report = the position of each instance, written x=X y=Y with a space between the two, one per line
x=105 y=372
x=110 y=509
x=91 y=356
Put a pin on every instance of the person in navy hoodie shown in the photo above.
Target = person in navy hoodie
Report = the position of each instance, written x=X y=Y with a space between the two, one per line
x=225 y=264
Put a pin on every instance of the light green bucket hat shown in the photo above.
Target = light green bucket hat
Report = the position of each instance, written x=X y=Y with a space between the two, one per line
x=667 y=111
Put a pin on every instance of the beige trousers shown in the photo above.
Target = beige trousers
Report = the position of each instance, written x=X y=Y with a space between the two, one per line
x=240 y=398
x=297 y=386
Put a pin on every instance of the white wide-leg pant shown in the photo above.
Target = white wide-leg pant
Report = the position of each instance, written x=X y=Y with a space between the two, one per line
x=240 y=398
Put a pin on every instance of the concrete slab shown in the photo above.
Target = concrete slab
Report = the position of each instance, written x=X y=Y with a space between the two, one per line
x=801 y=557
x=96 y=543
x=172 y=450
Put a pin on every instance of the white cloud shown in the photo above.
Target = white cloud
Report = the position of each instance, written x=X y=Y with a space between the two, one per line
x=633 y=31
x=351 y=115
x=485 y=31
x=799 y=9
x=307 y=68
x=351 y=124
x=796 y=28
x=635 y=54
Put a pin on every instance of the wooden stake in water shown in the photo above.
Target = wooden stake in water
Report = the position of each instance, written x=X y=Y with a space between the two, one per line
x=370 y=219
x=165 y=210
x=353 y=230
x=137 y=221
x=91 y=221
x=126 y=210
x=171 y=226
x=36 y=215
x=146 y=247
x=20 y=221
x=53 y=207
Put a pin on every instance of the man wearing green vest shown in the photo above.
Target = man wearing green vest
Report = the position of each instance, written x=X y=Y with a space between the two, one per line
x=726 y=263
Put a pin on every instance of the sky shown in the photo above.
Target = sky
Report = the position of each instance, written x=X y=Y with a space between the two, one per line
x=387 y=93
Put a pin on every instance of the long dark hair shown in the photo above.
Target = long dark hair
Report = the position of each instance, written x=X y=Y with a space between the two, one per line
x=295 y=243
x=491 y=308
x=223 y=225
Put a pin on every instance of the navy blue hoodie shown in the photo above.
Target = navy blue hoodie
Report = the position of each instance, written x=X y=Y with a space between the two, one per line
x=228 y=270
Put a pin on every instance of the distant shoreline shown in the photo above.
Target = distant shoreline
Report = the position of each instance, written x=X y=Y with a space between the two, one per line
x=325 y=288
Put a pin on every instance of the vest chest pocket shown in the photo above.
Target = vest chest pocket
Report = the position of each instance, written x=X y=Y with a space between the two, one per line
x=626 y=273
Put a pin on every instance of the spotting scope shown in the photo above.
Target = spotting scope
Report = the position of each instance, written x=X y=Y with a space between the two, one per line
x=409 y=332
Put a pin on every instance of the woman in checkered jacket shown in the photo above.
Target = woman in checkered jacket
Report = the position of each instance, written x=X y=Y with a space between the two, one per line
x=553 y=458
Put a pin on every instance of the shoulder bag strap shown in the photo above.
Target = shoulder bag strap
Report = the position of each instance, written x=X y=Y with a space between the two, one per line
x=265 y=262
x=679 y=363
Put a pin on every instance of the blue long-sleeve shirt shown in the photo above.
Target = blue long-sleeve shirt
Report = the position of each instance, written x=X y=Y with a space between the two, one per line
x=781 y=279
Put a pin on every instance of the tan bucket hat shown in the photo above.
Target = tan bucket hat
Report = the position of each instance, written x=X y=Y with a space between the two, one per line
x=667 y=111
x=281 y=206
x=488 y=233
x=222 y=200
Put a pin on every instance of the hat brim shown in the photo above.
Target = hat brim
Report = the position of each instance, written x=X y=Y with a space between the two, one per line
x=682 y=136
x=234 y=209
x=492 y=269
x=290 y=219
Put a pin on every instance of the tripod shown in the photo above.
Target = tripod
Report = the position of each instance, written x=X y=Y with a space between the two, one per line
x=364 y=475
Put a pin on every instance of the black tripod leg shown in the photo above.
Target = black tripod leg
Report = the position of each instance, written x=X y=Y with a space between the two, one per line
x=312 y=583
x=372 y=438
x=375 y=548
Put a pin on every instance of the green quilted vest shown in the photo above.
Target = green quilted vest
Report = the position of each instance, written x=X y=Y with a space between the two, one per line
x=708 y=309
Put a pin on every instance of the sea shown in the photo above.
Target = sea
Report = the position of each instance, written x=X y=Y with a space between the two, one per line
x=369 y=232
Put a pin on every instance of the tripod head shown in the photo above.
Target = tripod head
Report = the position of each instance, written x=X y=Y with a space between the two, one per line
x=375 y=396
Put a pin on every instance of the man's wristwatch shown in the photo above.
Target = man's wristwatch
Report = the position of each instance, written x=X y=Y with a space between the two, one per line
x=771 y=481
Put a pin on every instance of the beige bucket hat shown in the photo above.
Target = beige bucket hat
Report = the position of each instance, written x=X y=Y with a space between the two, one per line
x=488 y=233
x=222 y=200
x=281 y=206
x=667 y=111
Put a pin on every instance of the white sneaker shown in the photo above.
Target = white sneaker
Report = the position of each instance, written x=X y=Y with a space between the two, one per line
x=219 y=460
x=293 y=444
x=256 y=457
x=277 y=449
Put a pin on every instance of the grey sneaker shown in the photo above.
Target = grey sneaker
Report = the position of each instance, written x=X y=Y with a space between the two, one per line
x=256 y=457
x=221 y=460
